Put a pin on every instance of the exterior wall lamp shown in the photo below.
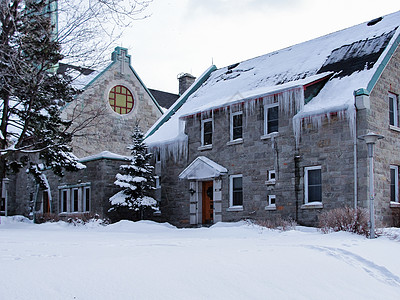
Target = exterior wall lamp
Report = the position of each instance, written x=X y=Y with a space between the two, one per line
x=370 y=139
x=192 y=191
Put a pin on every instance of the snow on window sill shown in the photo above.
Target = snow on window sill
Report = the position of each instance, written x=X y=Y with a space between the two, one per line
x=271 y=207
x=312 y=205
x=235 y=208
x=270 y=182
x=235 y=142
x=205 y=147
x=269 y=136
x=394 y=204
x=394 y=128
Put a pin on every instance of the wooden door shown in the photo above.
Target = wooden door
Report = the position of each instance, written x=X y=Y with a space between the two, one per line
x=208 y=204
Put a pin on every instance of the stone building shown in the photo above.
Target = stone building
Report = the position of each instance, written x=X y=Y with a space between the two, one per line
x=276 y=135
x=103 y=116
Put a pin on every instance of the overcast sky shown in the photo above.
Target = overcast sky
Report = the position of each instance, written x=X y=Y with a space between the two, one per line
x=190 y=35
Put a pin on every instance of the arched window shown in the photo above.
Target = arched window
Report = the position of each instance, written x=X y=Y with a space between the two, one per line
x=121 y=99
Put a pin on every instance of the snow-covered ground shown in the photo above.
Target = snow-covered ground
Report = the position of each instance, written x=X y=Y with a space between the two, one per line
x=146 y=260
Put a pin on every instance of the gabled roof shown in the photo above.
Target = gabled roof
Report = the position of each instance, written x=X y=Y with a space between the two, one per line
x=353 y=58
x=164 y=99
x=84 y=77
x=202 y=168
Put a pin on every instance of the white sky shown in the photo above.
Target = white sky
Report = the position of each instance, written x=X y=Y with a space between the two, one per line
x=188 y=35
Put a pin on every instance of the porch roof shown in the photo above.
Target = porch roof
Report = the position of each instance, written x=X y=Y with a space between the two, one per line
x=202 y=168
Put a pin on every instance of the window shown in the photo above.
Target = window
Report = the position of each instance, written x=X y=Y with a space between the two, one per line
x=121 y=100
x=206 y=132
x=75 y=198
x=393 y=110
x=236 y=191
x=394 y=184
x=271 y=200
x=64 y=200
x=158 y=182
x=271 y=118
x=236 y=125
x=271 y=176
x=312 y=184
x=86 y=198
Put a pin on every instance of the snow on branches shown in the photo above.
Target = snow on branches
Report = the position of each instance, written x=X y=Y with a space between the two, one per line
x=136 y=181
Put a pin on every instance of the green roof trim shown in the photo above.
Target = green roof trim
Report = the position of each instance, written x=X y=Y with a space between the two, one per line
x=182 y=99
x=383 y=64
x=361 y=92
x=114 y=58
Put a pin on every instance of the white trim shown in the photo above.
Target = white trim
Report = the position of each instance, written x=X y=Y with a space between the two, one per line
x=270 y=198
x=396 y=183
x=231 y=206
x=394 y=128
x=231 y=125
x=393 y=97
x=306 y=169
x=202 y=132
x=266 y=107
x=270 y=177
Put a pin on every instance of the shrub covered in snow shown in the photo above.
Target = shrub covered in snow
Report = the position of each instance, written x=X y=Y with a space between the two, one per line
x=134 y=202
x=345 y=219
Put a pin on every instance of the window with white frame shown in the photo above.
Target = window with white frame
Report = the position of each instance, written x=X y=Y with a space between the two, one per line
x=271 y=118
x=271 y=200
x=312 y=184
x=393 y=110
x=271 y=176
x=236 y=191
x=206 y=132
x=157 y=182
x=394 y=183
x=236 y=125
x=75 y=198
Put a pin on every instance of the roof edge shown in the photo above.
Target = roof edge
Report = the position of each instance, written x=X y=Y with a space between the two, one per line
x=384 y=62
x=181 y=100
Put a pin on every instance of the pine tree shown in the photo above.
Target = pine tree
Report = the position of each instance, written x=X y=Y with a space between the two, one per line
x=137 y=182
x=31 y=93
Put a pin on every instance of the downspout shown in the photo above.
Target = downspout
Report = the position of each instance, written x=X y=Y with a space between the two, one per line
x=355 y=160
x=361 y=101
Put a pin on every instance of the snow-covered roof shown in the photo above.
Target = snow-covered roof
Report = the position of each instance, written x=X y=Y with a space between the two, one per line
x=202 y=168
x=104 y=155
x=354 y=57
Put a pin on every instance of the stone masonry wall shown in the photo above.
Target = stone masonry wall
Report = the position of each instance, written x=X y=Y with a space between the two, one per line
x=331 y=147
x=386 y=150
x=109 y=130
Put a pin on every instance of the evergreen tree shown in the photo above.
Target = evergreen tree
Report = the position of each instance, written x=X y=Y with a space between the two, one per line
x=137 y=182
x=31 y=93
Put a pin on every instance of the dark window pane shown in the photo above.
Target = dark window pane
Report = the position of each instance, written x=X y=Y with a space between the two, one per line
x=64 y=201
x=87 y=196
x=392 y=185
x=237 y=126
x=237 y=191
x=314 y=186
x=391 y=113
x=75 y=200
x=314 y=177
x=207 y=133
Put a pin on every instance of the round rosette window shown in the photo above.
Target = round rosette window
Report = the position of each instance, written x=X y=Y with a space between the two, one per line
x=121 y=100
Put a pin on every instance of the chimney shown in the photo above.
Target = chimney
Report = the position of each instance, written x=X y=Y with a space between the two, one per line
x=185 y=81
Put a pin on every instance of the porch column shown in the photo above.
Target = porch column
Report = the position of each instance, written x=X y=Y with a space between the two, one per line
x=217 y=200
x=193 y=203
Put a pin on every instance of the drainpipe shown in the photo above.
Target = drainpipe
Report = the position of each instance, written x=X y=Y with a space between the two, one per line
x=361 y=101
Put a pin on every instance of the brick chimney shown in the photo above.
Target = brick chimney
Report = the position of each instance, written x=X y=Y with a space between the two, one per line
x=185 y=81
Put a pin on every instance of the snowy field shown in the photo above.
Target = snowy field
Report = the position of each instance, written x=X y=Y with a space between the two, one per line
x=146 y=260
